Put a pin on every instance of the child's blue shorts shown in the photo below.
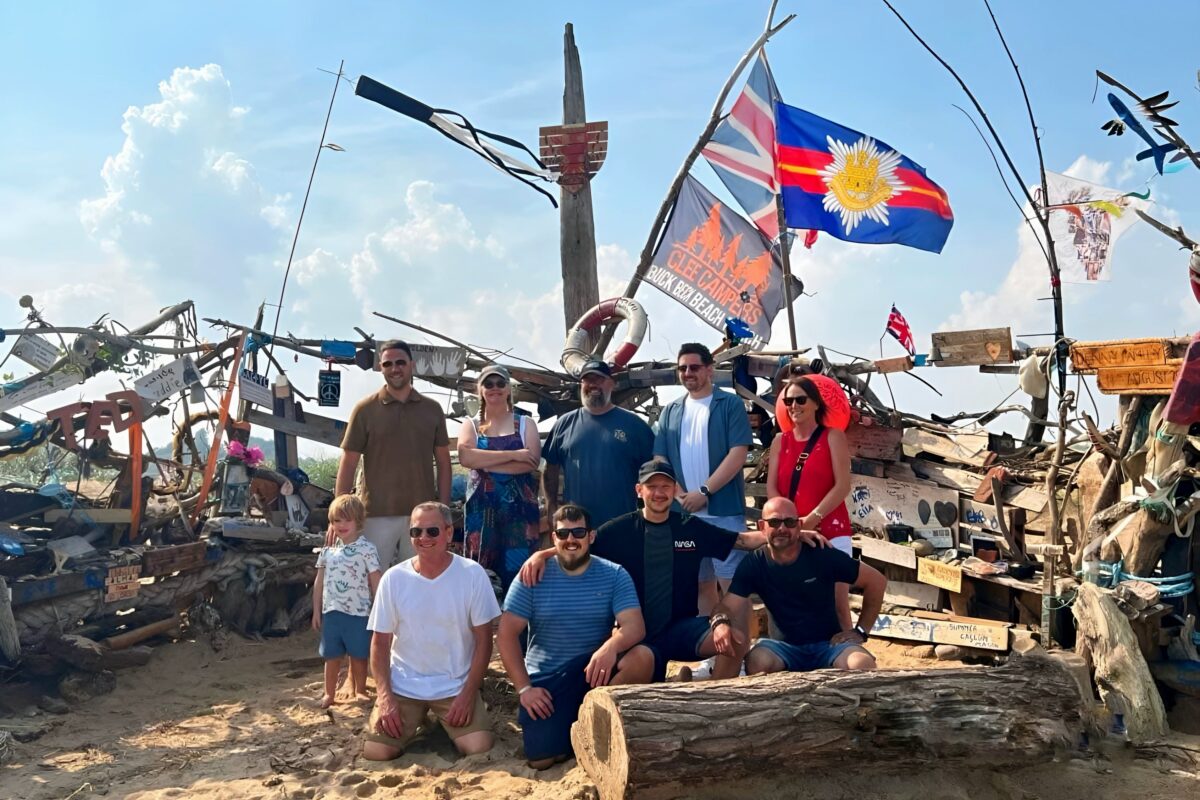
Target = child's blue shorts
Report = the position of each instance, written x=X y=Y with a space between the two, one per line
x=344 y=633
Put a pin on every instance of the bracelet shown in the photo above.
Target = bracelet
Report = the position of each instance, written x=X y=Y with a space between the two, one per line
x=524 y=690
x=719 y=619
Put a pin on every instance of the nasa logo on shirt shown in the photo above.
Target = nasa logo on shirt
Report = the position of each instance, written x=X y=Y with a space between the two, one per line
x=685 y=544
x=619 y=435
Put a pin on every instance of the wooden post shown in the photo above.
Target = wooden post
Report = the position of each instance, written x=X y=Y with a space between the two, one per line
x=785 y=258
x=285 y=408
x=577 y=237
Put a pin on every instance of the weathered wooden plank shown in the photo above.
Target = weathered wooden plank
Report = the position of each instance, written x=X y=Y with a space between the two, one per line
x=231 y=529
x=982 y=346
x=935 y=573
x=937 y=631
x=51 y=586
x=1088 y=357
x=314 y=427
x=1139 y=380
x=176 y=558
x=875 y=503
x=976 y=513
x=880 y=550
x=100 y=516
x=879 y=442
x=888 y=365
x=963 y=448
x=950 y=477
x=912 y=595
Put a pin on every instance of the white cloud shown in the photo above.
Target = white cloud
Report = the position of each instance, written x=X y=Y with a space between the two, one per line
x=178 y=200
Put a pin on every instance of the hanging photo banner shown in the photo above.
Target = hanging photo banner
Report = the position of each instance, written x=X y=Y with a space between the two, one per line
x=1086 y=220
x=329 y=387
x=36 y=351
x=167 y=380
x=430 y=361
x=54 y=382
x=255 y=388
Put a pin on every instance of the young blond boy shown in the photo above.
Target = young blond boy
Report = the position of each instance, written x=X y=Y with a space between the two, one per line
x=347 y=575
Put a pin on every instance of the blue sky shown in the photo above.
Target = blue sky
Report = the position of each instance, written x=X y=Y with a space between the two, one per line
x=225 y=102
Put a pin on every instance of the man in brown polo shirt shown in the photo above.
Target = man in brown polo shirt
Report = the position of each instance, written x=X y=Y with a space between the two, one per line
x=398 y=434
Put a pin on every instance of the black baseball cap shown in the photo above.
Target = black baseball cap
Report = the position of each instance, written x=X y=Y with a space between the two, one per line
x=595 y=365
x=656 y=467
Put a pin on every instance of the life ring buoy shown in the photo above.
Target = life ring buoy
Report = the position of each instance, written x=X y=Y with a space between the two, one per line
x=574 y=354
x=1194 y=272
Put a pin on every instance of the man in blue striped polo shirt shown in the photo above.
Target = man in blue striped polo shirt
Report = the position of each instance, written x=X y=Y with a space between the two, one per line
x=573 y=645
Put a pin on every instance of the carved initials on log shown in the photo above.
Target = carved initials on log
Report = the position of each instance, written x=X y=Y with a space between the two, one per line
x=100 y=414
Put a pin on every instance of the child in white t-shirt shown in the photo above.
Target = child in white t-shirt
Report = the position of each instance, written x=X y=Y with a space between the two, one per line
x=347 y=575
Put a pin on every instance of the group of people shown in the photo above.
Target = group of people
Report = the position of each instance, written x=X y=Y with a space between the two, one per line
x=651 y=559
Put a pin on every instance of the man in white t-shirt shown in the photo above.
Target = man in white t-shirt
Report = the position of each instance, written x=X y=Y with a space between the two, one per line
x=705 y=435
x=431 y=642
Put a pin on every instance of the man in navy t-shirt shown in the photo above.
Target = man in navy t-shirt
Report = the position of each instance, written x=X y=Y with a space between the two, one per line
x=596 y=450
x=662 y=551
x=572 y=644
x=796 y=583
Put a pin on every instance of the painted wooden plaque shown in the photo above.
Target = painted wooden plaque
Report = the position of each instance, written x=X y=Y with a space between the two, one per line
x=1087 y=357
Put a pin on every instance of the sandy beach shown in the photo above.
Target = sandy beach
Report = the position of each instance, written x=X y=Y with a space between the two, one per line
x=243 y=723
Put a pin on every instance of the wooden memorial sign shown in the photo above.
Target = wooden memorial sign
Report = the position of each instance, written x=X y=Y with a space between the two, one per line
x=889 y=365
x=963 y=348
x=875 y=503
x=431 y=361
x=938 y=631
x=935 y=573
x=1138 y=380
x=1090 y=357
x=121 y=583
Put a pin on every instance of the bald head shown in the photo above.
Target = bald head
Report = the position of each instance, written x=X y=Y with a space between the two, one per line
x=781 y=523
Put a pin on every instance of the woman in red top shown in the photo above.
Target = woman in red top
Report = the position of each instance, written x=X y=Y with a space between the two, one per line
x=820 y=490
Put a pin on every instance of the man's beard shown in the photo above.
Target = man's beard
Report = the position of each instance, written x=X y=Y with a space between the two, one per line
x=598 y=399
x=574 y=560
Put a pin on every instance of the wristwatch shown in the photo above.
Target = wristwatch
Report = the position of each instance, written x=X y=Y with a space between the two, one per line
x=704 y=490
x=859 y=630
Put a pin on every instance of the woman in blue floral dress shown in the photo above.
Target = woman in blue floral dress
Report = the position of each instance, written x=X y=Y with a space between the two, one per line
x=503 y=451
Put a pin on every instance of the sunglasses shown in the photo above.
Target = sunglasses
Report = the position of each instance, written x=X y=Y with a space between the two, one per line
x=795 y=401
x=428 y=533
x=578 y=533
x=499 y=383
x=787 y=522
x=686 y=368
x=390 y=364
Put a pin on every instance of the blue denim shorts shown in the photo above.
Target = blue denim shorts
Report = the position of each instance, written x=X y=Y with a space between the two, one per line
x=679 y=641
x=551 y=737
x=344 y=633
x=805 y=657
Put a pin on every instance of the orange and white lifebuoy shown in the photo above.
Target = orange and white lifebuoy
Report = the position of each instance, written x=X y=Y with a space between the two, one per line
x=575 y=355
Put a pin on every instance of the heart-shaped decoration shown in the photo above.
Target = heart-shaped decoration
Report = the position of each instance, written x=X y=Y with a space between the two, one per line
x=993 y=350
x=923 y=511
x=946 y=513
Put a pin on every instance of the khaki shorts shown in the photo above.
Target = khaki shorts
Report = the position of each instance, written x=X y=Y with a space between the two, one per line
x=413 y=715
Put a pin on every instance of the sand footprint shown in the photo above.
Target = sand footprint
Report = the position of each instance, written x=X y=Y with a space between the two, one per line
x=366 y=789
x=353 y=778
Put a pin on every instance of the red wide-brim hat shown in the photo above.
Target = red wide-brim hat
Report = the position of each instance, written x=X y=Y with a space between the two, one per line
x=837 y=404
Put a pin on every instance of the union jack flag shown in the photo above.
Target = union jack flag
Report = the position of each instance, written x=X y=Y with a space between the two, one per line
x=898 y=327
x=742 y=149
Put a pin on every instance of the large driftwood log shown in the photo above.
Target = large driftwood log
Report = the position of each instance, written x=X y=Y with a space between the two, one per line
x=1105 y=638
x=632 y=738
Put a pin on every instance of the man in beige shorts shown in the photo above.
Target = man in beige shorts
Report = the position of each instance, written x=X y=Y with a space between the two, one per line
x=431 y=643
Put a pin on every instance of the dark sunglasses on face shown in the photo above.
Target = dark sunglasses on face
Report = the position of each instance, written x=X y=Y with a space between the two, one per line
x=798 y=401
x=686 y=368
x=578 y=533
x=390 y=364
x=499 y=383
x=428 y=533
x=787 y=522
